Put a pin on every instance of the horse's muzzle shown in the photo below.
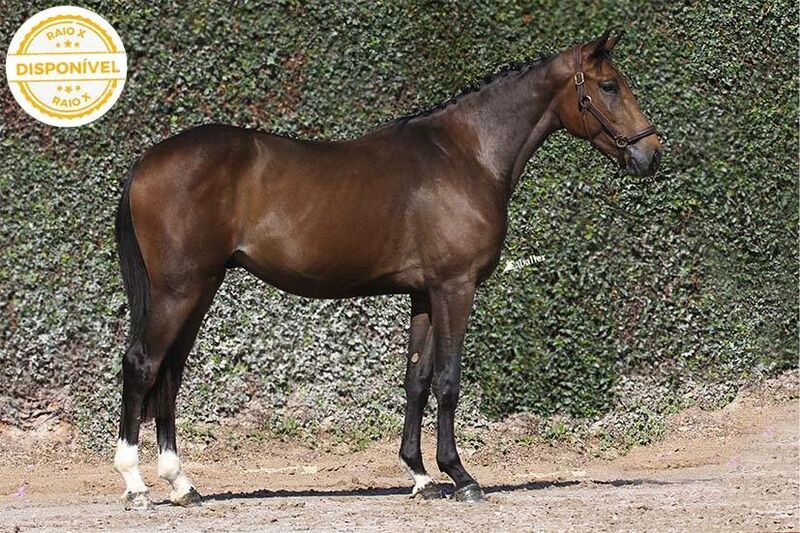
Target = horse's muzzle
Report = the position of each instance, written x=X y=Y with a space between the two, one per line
x=642 y=161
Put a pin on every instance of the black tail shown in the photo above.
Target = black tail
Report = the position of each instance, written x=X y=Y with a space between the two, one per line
x=131 y=263
x=156 y=402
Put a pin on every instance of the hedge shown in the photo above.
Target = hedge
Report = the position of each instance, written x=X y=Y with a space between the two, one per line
x=643 y=290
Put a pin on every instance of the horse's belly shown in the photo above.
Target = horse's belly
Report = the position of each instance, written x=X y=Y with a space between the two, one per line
x=328 y=268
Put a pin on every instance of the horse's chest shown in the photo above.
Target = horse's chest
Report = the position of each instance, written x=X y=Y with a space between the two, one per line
x=468 y=239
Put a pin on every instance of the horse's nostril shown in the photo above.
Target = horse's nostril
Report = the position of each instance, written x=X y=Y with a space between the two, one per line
x=656 y=160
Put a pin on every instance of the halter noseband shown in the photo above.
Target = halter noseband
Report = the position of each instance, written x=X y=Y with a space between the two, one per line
x=585 y=104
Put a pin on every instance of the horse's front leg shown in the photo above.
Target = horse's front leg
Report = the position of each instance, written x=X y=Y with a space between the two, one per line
x=450 y=307
x=419 y=370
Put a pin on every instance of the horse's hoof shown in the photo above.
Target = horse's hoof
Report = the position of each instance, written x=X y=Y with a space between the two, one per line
x=431 y=491
x=471 y=493
x=137 y=501
x=190 y=499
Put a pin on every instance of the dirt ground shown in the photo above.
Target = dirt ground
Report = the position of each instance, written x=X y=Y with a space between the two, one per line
x=734 y=470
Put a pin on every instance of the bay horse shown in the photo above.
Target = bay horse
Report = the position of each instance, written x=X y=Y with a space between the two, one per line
x=417 y=206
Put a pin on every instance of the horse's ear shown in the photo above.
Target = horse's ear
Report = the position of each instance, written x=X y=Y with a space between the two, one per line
x=612 y=41
x=597 y=47
x=604 y=44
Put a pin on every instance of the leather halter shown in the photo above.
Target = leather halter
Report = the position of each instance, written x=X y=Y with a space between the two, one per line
x=586 y=104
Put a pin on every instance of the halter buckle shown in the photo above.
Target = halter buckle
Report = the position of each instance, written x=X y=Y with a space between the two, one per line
x=621 y=141
x=579 y=78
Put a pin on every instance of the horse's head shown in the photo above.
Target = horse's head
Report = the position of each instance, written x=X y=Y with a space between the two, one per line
x=597 y=104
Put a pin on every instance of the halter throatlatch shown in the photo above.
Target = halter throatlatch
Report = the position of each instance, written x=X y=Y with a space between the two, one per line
x=585 y=104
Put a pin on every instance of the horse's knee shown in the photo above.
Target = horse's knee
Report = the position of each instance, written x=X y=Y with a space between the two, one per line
x=446 y=390
x=417 y=389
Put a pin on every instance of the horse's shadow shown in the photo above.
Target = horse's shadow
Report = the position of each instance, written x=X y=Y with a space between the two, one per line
x=446 y=488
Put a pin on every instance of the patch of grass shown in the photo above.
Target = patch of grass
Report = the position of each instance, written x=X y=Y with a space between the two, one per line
x=528 y=441
x=196 y=432
x=372 y=429
x=470 y=438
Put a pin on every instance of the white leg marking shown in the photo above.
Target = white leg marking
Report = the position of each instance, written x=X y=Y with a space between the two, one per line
x=420 y=480
x=126 y=463
x=169 y=468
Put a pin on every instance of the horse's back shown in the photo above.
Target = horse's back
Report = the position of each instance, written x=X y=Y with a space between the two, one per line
x=291 y=211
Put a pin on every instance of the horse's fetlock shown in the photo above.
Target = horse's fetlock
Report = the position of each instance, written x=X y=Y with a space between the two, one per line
x=126 y=458
x=169 y=466
x=446 y=460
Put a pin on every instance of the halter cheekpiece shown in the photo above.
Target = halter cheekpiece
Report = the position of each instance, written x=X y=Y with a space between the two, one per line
x=585 y=104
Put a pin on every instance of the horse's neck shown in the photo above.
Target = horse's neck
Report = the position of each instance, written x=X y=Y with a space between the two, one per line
x=510 y=119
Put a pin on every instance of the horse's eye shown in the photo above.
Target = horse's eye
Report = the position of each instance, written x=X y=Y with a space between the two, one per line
x=609 y=87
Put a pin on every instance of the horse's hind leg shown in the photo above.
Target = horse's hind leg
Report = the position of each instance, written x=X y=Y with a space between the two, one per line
x=419 y=369
x=183 y=492
x=145 y=388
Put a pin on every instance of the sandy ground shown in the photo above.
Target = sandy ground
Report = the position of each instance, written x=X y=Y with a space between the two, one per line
x=734 y=470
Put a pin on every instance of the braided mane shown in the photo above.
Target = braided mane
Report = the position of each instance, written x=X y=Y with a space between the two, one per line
x=478 y=85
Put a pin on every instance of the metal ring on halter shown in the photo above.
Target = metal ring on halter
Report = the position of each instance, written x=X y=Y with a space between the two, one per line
x=621 y=141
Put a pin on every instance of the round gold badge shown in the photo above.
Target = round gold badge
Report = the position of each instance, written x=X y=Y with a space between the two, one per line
x=66 y=66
